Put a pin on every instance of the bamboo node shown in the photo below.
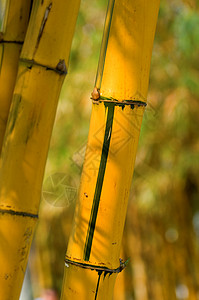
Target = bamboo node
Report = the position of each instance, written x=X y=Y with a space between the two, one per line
x=2 y=41
x=18 y=213
x=57 y=69
x=121 y=267
x=119 y=103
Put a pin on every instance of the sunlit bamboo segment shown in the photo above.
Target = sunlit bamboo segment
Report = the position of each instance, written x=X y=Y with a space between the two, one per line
x=119 y=99
x=42 y=69
x=14 y=16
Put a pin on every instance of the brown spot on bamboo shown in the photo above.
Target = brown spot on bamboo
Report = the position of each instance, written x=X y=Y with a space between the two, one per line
x=95 y=94
x=61 y=66
x=6 y=276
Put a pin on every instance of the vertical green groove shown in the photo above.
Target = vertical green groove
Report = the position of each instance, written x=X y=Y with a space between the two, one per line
x=98 y=281
x=107 y=135
x=104 y=45
x=1 y=55
x=99 y=184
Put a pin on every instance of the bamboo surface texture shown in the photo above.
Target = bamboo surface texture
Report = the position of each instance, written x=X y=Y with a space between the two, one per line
x=119 y=100
x=42 y=69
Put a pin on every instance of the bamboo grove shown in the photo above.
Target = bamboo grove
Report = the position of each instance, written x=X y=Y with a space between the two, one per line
x=35 y=46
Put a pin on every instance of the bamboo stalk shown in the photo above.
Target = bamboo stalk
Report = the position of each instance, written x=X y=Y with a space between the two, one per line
x=14 y=16
x=92 y=259
x=42 y=69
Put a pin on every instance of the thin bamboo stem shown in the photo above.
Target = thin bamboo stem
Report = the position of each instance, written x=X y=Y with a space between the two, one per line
x=14 y=18
x=92 y=258
x=42 y=69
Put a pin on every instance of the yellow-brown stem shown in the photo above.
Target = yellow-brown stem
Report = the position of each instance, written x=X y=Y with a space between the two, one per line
x=42 y=69
x=116 y=118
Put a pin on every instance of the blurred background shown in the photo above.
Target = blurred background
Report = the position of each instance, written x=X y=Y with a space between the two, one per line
x=161 y=235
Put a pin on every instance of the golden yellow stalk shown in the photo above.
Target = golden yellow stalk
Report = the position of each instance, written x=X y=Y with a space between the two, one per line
x=92 y=258
x=42 y=69
x=14 y=17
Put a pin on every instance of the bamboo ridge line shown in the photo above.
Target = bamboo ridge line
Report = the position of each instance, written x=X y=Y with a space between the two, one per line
x=60 y=68
x=18 y=213
x=97 y=268
x=99 y=183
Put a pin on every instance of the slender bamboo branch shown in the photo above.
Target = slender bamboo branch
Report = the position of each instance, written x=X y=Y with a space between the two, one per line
x=14 y=18
x=42 y=69
x=119 y=101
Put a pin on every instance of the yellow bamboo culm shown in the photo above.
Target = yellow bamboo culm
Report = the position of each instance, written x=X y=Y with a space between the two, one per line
x=92 y=259
x=42 y=69
x=14 y=17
